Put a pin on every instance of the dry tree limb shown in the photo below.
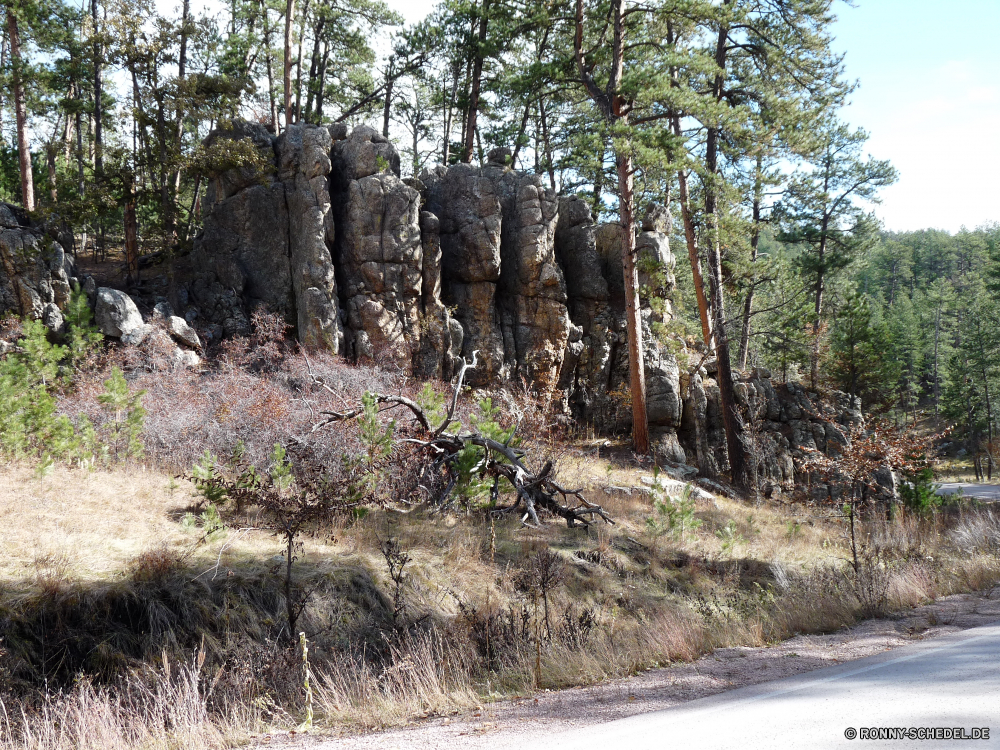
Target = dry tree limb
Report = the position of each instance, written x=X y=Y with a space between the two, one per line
x=537 y=491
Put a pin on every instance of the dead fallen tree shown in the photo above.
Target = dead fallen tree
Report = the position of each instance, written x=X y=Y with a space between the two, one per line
x=534 y=491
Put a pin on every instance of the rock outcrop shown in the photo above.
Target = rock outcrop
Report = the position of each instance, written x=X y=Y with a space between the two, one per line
x=268 y=235
x=378 y=250
x=415 y=273
x=36 y=273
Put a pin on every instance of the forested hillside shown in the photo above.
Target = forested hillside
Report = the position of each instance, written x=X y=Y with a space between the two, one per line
x=354 y=373
x=911 y=326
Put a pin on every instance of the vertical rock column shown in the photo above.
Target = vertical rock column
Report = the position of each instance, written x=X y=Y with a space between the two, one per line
x=303 y=165
x=532 y=289
x=466 y=203
x=378 y=250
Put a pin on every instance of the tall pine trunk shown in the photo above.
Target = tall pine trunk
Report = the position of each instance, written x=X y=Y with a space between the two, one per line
x=477 y=81
x=287 y=77
x=754 y=241
x=739 y=463
x=20 y=114
x=633 y=321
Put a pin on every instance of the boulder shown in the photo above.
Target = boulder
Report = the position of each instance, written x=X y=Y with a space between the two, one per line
x=116 y=314
x=179 y=329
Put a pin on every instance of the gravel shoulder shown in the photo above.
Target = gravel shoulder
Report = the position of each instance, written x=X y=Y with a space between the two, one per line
x=514 y=722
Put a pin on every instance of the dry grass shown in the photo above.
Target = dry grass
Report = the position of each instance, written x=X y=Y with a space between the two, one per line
x=80 y=543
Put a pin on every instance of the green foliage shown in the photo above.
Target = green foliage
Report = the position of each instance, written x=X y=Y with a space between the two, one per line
x=281 y=468
x=224 y=154
x=127 y=417
x=376 y=438
x=858 y=362
x=29 y=377
x=672 y=515
x=730 y=537
x=470 y=460
x=82 y=335
x=204 y=476
x=434 y=405
x=919 y=493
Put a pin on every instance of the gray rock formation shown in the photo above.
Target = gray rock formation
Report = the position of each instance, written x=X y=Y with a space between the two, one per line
x=267 y=238
x=303 y=168
x=499 y=270
x=36 y=274
x=378 y=250
x=116 y=315
x=467 y=205
x=479 y=259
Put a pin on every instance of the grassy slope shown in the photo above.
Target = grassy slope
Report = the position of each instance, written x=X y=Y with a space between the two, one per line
x=106 y=555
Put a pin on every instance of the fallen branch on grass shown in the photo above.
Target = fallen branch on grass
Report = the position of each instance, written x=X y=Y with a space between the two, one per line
x=534 y=491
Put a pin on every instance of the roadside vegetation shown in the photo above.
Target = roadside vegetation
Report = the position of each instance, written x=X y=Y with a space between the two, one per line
x=163 y=565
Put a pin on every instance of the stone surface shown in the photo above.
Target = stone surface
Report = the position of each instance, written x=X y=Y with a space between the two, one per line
x=303 y=168
x=468 y=208
x=416 y=273
x=380 y=258
x=116 y=314
x=182 y=332
x=35 y=270
x=267 y=238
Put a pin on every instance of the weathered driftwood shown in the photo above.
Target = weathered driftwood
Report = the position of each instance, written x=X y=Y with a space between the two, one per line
x=534 y=490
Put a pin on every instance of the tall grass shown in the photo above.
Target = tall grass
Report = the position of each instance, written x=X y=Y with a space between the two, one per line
x=158 y=712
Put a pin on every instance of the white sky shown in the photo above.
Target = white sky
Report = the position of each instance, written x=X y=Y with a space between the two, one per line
x=930 y=98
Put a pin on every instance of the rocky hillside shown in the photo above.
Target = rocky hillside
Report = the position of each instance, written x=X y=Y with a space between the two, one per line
x=416 y=273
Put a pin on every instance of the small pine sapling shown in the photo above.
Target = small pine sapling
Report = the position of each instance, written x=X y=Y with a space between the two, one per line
x=124 y=428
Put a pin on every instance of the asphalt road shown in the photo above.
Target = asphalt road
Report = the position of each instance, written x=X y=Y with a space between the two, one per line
x=948 y=682
x=985 y=492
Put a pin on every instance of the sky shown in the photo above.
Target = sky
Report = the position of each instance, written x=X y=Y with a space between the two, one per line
x=929 y=97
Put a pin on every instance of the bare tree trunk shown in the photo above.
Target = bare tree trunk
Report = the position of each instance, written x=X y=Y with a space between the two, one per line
x=269 y=59
x=450 y=112
x=739 y=464
x=321 y=93
x=477 y=79
x=598 y=182
x=287 y=79
x=81 y=187
x=937 y=382
x=314 y=63
x=549 y=166
x=626 y=211
x=298 y=63
x=390 y=81
x=519 y=139
x=3 y=64
x=694 y=257
x=98 y=121
x=50 y=164
x=612 y=106
x=21 y=115
x=131 y=227
x=754 y=241
x=98 y=96
x=181 y=73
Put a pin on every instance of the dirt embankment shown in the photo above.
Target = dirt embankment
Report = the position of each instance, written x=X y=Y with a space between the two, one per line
x=530 y=718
